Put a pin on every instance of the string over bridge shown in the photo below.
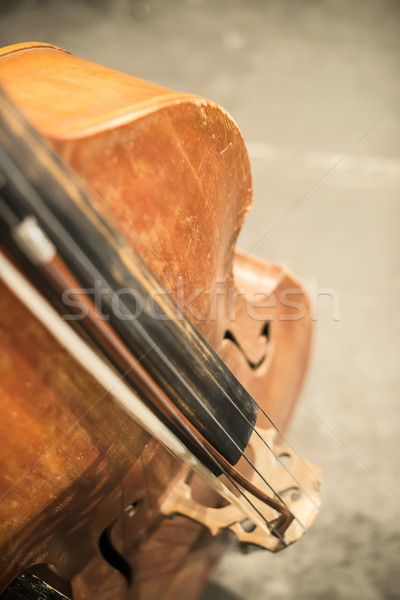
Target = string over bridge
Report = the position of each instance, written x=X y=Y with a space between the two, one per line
x=299 y=486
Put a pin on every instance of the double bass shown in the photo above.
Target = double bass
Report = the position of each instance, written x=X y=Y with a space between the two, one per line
x=148 y=370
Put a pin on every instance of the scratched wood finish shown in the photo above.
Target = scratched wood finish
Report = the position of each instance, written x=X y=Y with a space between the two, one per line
x=172 y=172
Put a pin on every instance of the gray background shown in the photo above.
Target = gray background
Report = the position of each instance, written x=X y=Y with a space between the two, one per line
x=308 y=82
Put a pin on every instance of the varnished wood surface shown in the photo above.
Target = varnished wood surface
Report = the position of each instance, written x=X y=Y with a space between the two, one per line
x=171 y=170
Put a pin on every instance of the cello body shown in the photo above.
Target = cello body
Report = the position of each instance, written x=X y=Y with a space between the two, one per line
x=81 y=484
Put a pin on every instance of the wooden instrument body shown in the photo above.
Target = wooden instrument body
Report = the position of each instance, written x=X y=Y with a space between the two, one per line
x=171 y=171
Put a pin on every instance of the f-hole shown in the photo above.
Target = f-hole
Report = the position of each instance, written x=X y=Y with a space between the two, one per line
x=112 y=556
x=265 y=332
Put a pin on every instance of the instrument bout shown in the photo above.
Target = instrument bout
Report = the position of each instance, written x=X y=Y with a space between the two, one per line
x=91 y=502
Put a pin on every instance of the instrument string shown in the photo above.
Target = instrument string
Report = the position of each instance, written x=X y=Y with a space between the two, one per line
x=246 y=458
x=277 y=457
x=265 y=443
x=290 y=445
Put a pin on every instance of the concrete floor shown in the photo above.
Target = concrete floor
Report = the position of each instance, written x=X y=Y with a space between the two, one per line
x=308 y=82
